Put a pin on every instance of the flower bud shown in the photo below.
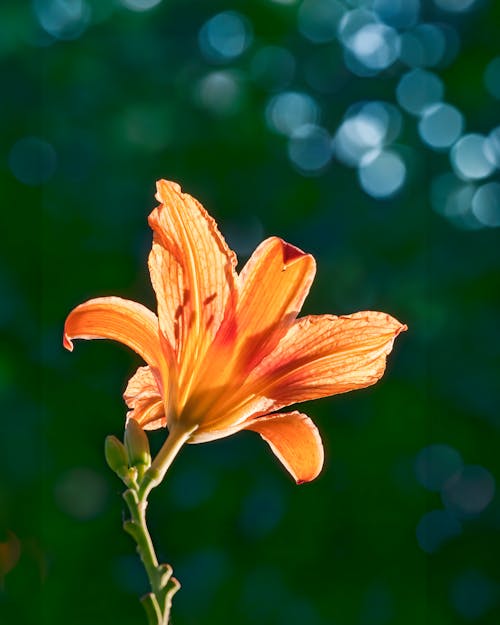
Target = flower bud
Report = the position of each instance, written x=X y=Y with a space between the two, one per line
x=116 y=456
x=137 y=444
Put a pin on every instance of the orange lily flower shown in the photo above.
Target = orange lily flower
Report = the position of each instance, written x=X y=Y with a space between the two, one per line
x=226 y=350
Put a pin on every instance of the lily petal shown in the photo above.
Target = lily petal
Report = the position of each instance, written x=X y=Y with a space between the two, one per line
x=118 y=319
x=273 y=286
x=143 y=398
x=192 y=271
x=295 y=441
x=326 y=355
x=319 y=356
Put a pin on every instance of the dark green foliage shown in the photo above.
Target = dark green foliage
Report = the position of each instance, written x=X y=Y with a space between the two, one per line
x=119 y=106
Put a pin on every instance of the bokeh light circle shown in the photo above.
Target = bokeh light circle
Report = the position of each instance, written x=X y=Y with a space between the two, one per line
x=319 y=19
x=354 y=138
x=397 y=13
x=375 y=45
x=382 y=173
x=288 y=111
x=309 y=148
x=366 y=126
x=458 y=205
x=492 y=77
x=455 y=6
x=419 y=89
x=63 y=19
x=33 y=161
x=486 y=204
x=468 y=494
x=469 y=157
x=492 y=147
x=435 y=529
x=225 y=36
x=473 y=594
x=387 y=116
x=452 y=198
x=369 y=44
x=140 y=5
x=353 y=21
x=436 y=465
x=81 y=493
x=423 y=46
x=441 y=125
x=220 y=92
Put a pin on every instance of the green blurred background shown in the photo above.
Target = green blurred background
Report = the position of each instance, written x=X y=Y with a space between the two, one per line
x=363 y=131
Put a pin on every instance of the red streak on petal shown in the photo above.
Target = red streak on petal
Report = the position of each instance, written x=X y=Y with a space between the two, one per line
x=208 y=300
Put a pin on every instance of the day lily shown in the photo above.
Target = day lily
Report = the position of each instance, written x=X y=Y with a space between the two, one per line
x=226 y=350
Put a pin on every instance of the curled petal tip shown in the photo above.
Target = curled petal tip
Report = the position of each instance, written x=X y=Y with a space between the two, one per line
x=295 y=441
x=291 y=252
x=400 y=327
x=117 y=319
x=67 y=343
x=162 y=185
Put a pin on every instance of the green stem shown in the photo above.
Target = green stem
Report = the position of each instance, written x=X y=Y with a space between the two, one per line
x=157 y=603
x=152 y=609
x=156 y=472
x=138 y=529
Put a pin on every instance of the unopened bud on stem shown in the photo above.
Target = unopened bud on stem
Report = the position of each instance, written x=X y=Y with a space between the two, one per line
x=137 y=444
x=116 y=456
